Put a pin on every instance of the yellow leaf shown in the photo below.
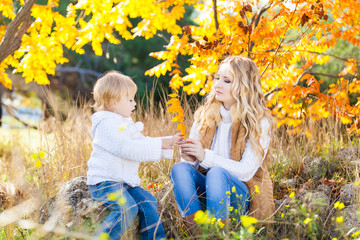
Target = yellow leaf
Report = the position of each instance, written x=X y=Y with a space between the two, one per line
x=122 y=201
x=339 y=205
x=113 y=196
x=307 y=220
x=201 y=217
x=104 y=236
x=38 y=164
x=41 y=154
x=256 y=189
x=221 y=224
x=246 y=221
x=122 y=127
x=251 y=229
x=339 y=219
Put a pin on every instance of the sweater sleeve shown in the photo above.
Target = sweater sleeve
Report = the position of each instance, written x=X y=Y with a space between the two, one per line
x=115 y=139
x=194 y=134
x=167 y=153
x=246 y=168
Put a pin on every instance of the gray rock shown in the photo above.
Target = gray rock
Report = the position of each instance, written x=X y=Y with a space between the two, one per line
x=324 y=188
x=317 y=201
x=289 y=182
x=351 y=217
x=317 y=168
x=349 y=193
x=348 y=154
x=72 y=206
x=280 y=204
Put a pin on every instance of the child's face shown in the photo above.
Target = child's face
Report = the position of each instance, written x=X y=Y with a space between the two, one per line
x=124 y=107
x=222 y=85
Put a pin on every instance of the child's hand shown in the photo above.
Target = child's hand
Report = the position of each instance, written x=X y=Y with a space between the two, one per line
x=177 y=139
x=168 y=143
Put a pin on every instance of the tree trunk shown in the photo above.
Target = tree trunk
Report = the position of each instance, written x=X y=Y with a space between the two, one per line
x=1 y=93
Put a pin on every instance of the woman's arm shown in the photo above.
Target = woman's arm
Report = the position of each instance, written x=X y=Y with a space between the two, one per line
x=246 y=168
x=112 y=138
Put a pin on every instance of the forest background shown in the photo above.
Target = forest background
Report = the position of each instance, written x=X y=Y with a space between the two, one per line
x=307 y=52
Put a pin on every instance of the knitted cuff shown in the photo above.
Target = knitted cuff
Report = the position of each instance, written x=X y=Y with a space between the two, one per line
x=208 y=159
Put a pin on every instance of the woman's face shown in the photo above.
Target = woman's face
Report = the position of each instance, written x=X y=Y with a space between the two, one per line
x=223 y=86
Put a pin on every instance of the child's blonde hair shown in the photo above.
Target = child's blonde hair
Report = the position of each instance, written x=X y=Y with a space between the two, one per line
x=112 y=87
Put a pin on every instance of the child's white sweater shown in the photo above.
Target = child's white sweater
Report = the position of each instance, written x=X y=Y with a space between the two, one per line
x=118 y=148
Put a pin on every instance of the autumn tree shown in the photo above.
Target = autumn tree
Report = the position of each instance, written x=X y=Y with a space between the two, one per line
x=286 y=39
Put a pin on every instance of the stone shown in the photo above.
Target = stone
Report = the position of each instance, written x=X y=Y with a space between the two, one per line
x=351 y=221
x=280 y=203
x=324 y=188
x=73 y=208
x=352 y=217
x=72 y=205
x=291 y=183
x=316 y=168
x=349 y=154
x=349 y=193
x=317 y=201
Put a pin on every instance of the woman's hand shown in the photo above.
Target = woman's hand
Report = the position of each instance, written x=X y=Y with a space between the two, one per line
x=193 y=148
x=187 y=157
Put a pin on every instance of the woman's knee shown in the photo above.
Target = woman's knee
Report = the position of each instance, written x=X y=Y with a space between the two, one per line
x=181 y=169
x=216 y=174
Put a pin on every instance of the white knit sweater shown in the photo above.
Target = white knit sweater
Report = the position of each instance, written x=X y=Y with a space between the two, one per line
x=118 y=148
x=219 y=153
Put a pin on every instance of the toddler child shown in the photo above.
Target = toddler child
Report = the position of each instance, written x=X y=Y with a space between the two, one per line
x=118 y=148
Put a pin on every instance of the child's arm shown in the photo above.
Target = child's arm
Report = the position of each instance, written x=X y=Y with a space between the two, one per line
x=113 y=137
x=169 y=153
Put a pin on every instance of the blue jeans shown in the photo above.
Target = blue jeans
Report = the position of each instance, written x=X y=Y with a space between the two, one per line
x=125 y=203
x=218 y=191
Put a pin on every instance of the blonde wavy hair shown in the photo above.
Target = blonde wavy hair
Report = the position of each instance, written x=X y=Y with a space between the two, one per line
x=110 y=88
x=247 y=90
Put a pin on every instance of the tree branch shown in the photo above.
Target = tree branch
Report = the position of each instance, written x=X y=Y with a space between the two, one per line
x=12 y=38
x=299 y=78
x=324 y=74
x=324 y=54
x=10 y=109
x=256 y=23
x=215 y=14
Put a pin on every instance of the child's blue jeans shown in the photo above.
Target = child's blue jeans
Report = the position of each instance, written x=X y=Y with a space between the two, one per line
x=125 y=203
x=218 y=191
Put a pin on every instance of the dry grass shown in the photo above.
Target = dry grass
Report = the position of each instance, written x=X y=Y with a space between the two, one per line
x=38 y=162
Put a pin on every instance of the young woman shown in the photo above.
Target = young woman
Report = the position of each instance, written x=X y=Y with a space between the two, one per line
x=224 y=167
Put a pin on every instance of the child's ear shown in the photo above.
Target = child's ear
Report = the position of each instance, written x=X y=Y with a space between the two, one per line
x=111 y=102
